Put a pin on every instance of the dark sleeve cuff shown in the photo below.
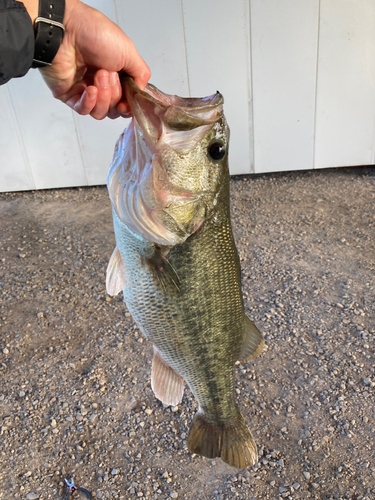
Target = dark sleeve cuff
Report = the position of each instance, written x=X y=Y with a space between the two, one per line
x=16 y=40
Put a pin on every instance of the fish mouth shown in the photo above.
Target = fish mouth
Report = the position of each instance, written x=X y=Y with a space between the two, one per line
x=162 y=116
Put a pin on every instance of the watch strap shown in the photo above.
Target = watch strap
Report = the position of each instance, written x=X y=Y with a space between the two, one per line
x=49 y=31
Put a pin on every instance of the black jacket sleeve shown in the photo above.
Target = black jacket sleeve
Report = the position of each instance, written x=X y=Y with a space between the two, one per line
x=16 y=40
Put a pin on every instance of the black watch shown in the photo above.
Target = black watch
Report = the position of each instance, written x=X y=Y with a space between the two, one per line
x=49 y=31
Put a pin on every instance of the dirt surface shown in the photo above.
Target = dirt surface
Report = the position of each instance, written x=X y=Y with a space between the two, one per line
x=75 y=395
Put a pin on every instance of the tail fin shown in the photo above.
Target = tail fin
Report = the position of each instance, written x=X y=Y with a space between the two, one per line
x=232 y=442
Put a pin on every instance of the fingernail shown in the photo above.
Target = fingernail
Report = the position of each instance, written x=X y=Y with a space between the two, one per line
x=103 y=80
x=113 y=78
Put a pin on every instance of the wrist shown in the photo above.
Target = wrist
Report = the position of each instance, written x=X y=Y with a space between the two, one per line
x=70 y=7
x=49 y=31
x=32 y=7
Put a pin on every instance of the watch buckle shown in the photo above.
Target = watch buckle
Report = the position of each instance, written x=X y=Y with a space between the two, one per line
x=49 y=21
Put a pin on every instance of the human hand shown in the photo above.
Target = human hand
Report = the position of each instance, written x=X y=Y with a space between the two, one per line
x=84 y=72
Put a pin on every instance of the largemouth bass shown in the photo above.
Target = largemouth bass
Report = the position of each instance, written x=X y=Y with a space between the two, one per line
x=177 y=264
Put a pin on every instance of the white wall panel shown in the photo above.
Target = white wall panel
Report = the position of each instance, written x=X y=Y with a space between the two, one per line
x=218 y=58
x=107 y=7
x=299 y=88
x=345 y=120
x=97 y=140
x=284 y=55
x=15 y=172
x=156 y=28
x=48 y=134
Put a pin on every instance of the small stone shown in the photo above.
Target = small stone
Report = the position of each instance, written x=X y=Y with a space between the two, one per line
x=281 y=462
x=21 y=394
x=32 y=496
x=28 y=473
x=315 y=485
x=272 y=483
x=148 y=411
x=53 y=423
x=114 y=472
x=5 y=350
x=296 y=486
x=173 y=494
x=367 y=381
x=307 y=475
x=40 y=315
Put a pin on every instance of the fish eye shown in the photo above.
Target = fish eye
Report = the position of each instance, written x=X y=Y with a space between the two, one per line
x=216 y=150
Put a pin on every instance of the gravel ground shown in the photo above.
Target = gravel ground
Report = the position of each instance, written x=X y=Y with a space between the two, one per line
x=75 y=397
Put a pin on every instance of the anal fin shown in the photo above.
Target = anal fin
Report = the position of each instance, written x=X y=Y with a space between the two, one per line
x=253 y=342
x=116 y=277
x=166 y=384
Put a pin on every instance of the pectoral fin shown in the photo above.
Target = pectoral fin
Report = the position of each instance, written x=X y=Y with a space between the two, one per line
x=166 y=384
x=116 y=278
x=253 y=342
x=163 y=270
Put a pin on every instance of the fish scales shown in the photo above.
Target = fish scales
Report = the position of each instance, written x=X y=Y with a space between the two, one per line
x=192 y=321
x=186 y=296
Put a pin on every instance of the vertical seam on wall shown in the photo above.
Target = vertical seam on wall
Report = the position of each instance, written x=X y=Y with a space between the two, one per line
x=116 y=13
x=250 y=97
x=185 y=46
x=80 y=144
x=316 y=85
x=20 y=138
